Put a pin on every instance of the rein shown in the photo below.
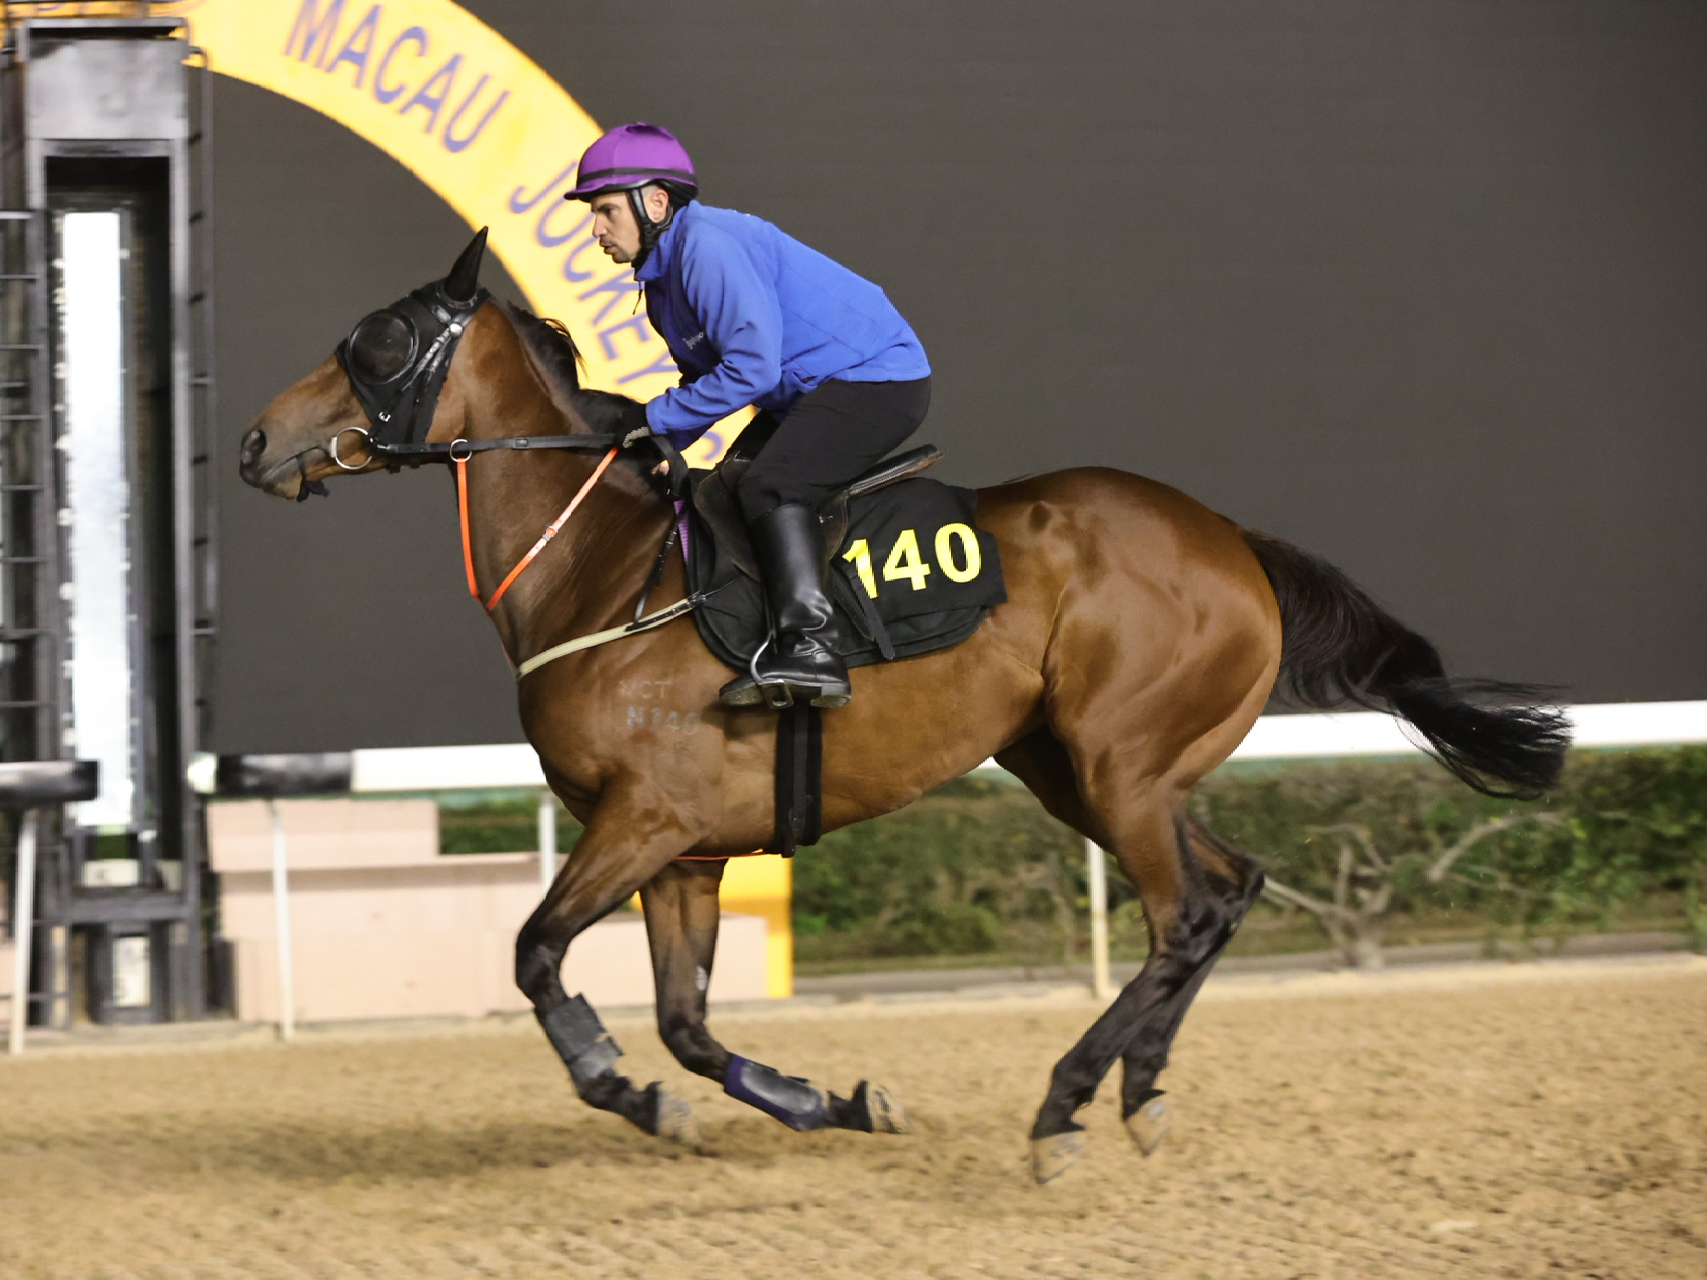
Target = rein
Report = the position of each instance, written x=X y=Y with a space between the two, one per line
x=414 y=454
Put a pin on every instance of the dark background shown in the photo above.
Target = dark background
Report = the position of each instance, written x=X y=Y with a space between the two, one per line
x=1421 y=287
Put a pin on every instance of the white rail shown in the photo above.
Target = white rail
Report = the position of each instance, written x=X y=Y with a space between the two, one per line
x=1372 y=733
x=1284 y=737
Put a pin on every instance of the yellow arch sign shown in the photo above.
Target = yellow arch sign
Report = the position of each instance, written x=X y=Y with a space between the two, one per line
x=475 y=119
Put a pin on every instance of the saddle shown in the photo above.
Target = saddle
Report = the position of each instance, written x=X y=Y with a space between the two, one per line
x=910 y=572
x=718 y=509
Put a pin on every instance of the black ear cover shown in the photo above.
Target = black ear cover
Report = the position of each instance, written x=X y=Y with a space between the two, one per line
x=464 y=279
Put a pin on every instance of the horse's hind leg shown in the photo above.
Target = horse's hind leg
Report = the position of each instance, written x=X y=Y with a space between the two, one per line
x=1189 y=924
x=1194 y=890
x=681 y=904
x=1237 y=880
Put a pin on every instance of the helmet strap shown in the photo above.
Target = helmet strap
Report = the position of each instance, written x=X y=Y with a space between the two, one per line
x=649 y=230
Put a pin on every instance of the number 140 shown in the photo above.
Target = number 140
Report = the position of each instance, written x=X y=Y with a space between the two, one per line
x=904 y=561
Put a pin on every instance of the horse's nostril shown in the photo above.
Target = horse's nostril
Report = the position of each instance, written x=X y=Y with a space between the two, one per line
x=254 y=445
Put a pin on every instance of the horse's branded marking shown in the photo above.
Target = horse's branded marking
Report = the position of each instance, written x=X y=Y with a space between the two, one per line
x=643 y=689
x=905 y=563
x=685 y=723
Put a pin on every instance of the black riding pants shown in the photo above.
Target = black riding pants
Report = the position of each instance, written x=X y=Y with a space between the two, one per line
x=833 y=433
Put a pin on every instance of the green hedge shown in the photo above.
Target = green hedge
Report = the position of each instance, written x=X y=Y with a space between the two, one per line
x=497 y=822
x=977 y=867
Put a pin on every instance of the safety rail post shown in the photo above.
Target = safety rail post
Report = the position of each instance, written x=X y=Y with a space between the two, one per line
x=30 y=786
x=281 y=926
x=272 y=778
x=1096 y=880
x=547 y=840
x=23 y=928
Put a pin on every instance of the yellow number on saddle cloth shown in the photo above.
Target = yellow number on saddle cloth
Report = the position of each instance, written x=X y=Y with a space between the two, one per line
x=905 y=564
x=968 y=548
x=860 y=554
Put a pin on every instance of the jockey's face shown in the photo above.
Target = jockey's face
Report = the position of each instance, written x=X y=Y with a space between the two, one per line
x=614 y=226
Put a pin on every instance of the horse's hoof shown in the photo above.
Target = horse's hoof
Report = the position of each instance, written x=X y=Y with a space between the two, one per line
x=675 y=1121
x=884 y=1111
x=1051 y=1157
x=1149 y=1125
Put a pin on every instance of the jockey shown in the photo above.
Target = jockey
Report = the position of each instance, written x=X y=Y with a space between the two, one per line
x=754 y=317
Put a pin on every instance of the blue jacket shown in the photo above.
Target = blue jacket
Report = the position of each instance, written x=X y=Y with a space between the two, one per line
x=754 y=317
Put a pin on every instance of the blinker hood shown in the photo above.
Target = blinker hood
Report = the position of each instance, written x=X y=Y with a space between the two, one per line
x=396 y=358
x=423 y=329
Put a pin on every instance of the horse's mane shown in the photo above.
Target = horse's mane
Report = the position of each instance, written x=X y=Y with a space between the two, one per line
x=550 y=344
x=553 y=349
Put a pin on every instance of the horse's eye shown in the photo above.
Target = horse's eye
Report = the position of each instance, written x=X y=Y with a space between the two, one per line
x=382 y=347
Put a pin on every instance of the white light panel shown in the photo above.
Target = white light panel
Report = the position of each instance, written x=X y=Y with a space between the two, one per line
x=102 y=663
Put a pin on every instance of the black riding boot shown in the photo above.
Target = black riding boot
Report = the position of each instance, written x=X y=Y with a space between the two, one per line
x=801 y=661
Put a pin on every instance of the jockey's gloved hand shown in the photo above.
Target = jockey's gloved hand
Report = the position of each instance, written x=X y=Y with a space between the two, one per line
x=632 y=426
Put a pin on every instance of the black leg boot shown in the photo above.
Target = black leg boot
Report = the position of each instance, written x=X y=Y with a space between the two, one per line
x=801 y=662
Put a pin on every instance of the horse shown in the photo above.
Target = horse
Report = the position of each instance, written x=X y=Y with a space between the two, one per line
x=1141 y=637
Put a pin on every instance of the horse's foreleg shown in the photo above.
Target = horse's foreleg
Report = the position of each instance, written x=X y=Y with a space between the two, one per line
x=616 y=854
x=682 y=913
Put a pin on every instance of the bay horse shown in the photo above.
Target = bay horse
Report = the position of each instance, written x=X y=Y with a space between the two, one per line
x=1142 y=636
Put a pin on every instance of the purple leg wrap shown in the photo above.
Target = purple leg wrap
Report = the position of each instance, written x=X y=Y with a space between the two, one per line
x=786 y=1098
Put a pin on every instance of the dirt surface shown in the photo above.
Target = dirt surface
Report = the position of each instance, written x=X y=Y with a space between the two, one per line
x=1552 y=1127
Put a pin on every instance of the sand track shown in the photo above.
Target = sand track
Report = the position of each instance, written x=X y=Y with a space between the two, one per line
x=1549 y=1128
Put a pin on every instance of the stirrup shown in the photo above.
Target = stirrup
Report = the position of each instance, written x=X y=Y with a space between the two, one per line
x=740 y=692
x=751 y=689
x=748 y=690
x=779 y=695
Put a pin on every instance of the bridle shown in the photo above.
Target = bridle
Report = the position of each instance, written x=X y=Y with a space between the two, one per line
x=396 y=360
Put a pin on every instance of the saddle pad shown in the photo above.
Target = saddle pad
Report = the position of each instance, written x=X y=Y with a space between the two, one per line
x=914 y=574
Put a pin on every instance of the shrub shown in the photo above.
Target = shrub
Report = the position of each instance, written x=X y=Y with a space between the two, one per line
x=961 y=872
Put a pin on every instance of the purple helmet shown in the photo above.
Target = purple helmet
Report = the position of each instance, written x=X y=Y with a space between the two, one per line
x=630 y=156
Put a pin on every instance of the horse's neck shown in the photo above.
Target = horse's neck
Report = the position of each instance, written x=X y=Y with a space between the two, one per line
x=582 y=577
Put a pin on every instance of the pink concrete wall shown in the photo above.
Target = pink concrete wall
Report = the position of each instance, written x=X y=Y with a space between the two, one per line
x=384 y=926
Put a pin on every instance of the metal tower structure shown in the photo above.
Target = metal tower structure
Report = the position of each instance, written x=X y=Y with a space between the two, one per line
x=106 y=492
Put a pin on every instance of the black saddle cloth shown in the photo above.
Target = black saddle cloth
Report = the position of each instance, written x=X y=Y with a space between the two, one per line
x=910 y=571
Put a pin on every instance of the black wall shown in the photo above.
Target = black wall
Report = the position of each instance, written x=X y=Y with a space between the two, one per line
x=1421 y=287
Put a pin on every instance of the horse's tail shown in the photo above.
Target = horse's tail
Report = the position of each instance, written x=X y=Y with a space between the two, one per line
x=1339 y=646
